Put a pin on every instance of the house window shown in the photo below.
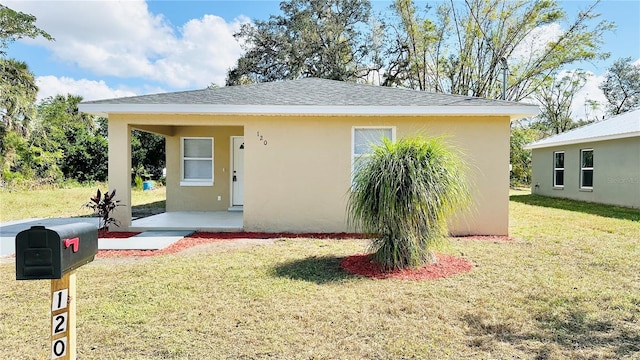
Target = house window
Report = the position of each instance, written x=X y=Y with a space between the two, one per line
x=363 y=140
x=558 y=169
x=196 y=161
x=586 y=169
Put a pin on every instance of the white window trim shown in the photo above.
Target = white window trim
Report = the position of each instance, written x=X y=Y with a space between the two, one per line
x=555 y=169
x=586 y=168
x=353 y=141
x=186 y=182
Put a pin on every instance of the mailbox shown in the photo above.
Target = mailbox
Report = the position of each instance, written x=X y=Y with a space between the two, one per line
x=49 y=253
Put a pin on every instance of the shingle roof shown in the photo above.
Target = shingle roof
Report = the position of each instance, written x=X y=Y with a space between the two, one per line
x=306 y=92
x=617 y=127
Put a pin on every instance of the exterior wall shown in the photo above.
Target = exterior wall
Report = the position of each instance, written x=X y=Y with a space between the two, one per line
x=298 y=168
x=616 y=172
x=201 y=198
x=303 y=172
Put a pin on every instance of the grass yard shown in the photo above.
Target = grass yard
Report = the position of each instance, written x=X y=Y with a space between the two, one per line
x=67 y=202
x=567 y=287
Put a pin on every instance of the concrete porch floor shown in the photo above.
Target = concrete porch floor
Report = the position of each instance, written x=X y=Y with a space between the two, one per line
x=216 y=221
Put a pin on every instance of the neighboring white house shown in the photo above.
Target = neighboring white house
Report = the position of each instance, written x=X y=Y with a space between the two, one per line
x=598 y=162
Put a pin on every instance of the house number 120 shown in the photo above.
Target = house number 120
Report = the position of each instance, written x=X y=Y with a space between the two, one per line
x=59 y=323
x=261 y=138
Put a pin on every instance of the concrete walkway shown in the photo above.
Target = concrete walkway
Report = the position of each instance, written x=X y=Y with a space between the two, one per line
x=148 y=240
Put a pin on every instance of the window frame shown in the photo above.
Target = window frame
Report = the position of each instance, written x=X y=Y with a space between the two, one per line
x=183 y=159
x=556 y=169
x=354 y=156
x=583 y=168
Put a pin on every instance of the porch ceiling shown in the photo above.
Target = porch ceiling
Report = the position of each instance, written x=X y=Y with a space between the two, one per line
x=157 y=129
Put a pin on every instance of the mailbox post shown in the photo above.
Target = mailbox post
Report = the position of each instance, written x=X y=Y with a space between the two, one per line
x=63 y=317
x=55 y=253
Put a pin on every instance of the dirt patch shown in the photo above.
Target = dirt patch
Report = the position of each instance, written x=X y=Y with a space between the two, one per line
x=446 y=265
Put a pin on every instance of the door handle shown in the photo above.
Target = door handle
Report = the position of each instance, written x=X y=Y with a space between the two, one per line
x=235 y=178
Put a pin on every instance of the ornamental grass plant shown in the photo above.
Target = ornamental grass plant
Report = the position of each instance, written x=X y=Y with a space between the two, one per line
x=403 y=193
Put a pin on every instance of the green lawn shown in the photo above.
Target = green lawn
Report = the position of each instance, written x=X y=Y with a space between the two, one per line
x=66 y=202
x=568 y=287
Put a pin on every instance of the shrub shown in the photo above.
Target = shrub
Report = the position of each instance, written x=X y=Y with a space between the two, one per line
x=402 y=194
x=138 y=181
x=103 y=205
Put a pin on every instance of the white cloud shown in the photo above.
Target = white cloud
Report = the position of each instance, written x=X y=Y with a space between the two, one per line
x=591 y=91
x=580 y=109
x=88 y=89
x=123 y=39
x=535 y=42
x=206 y=50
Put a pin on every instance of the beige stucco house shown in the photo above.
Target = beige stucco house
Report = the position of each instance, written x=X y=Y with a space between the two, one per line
x=598 y=162
x=282 y=152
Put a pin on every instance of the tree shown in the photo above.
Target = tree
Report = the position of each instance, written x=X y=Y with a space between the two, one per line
x=17 y=97
x=312 y=38
x=17 y=85
x=555 y=98
x=23 y=160
x=465 y=49
x=622 y=86
x=148 y=153
x=403 y=194
x=16 y=25
x=411 y=42
x=61 y=126
x=519 y=157
x=18 y=92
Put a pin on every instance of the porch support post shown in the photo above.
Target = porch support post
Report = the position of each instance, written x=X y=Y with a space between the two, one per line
x=120 y=171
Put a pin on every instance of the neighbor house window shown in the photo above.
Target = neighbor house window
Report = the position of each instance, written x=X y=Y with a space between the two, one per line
x=363 y=140
x=196 y=161
x=586 y=169
x=558 y=169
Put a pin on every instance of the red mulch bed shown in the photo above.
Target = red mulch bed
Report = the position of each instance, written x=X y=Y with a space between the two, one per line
x=177 y=246
x=446 y=265
x=104 y=234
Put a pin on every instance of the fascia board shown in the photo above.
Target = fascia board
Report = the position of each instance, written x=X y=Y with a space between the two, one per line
x=533 y=146
x=512 y=111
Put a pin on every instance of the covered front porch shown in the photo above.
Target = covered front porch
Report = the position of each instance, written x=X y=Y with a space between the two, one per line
x=210 y=221
x=204 y=173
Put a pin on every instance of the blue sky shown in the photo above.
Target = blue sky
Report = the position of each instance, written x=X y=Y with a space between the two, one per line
x=107 y=49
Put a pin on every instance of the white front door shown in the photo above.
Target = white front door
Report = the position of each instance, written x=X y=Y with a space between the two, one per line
x=237 y=171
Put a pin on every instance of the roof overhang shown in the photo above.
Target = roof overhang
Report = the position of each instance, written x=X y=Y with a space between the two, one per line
x=543 y=145
x=513 y=111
